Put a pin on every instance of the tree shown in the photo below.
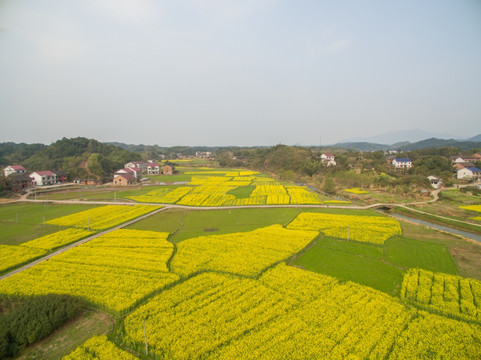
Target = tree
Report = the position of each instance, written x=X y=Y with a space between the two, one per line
x=329 y=186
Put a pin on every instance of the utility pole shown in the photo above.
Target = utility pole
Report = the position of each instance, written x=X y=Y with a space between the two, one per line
x=88 y=223
x=348 y=233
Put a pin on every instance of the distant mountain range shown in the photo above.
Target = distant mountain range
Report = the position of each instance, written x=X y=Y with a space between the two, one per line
x=408 y=146
x=397 y=136
x=409 y=140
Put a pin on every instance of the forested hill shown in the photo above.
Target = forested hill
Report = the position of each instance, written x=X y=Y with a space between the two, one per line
x=78 y=157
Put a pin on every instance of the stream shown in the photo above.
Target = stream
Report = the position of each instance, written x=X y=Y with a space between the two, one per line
x=436 y=226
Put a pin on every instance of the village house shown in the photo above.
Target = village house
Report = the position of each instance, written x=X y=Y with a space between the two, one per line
x=125 y=179
x=435 y=181
x=328 y=159
x=135 y=171
x=42 y=178
x=18 y=182
x=402 y=163
x=137 y=164
x=14 y=169
x=153 y=168
x=464 y=159
x=469 y=173
x=168 y=170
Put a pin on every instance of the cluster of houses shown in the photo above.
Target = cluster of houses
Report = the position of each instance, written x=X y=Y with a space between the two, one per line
x=19 y=180
x=465 y=167
x=133 y=172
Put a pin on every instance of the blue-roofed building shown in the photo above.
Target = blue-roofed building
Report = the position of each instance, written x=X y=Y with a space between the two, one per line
x=469 y=173
x=402 y=163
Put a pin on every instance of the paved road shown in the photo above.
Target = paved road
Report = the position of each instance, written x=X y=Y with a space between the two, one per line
x=71 y=246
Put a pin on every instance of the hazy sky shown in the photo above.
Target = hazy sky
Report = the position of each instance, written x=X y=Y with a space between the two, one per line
x=250 y=72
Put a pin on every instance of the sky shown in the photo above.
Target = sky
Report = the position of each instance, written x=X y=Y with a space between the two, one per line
x=244 y=73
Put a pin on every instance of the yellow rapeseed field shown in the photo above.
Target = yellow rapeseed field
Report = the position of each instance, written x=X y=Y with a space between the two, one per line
x=289 y=313
x=444 y=293
x=103 y=217
x=99 y=348
x=373 y=229
x=114 y=271
x=245 y=253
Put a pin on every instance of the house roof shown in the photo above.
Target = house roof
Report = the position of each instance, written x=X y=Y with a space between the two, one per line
x=17 y=167
x=473 y=169
x=136 y=169
x=152 y=165
x=126 y=176
x=44 y=173
x=19 y=177
x=403 y=160
x=124 y=171
x=328 y=154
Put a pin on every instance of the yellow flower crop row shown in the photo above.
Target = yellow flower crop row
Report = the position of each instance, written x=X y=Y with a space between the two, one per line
x=357 y=191
x=476 y=208
x=269 y=189
x=300 y=195
x=289 y=313
x=99 y=348
x=11 y=256
x=336 y=202
x=58 y=239
x=448 y=294
x=162 y=196
x=103 y=217
x=373 y=229
x=245 y=253
x=115 y=270
x=435 y=337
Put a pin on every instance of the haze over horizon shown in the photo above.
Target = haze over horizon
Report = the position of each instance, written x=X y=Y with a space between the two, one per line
x=219 y=73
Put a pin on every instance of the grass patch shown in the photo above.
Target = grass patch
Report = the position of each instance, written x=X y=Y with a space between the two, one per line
x=24 y=222
x=242 y=192
x=73 y=333
x=411 y=253
x=351 y=261
x=185 y=224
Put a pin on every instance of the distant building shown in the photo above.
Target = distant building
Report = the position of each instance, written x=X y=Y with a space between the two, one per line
x=435 y=181
x=14 y=169
x=18 y=182
x=464 y=159
x=135 y=171
x=137 y=164
x=402 y=163
x=469 y=173
x=153 y=168
x=328 y=159
x=124 y=179
x=42 y=178
x=168 y=170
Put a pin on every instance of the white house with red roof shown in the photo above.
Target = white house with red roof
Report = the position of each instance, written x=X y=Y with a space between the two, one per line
x=328 y=159
x=42 y=178
x=153 y=168
x=14 y=169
